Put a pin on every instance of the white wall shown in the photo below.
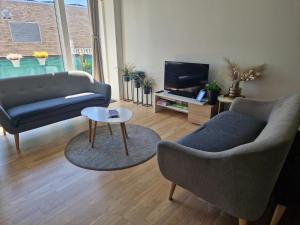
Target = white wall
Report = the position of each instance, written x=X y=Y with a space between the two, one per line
x=112 y=44
x=248 y=31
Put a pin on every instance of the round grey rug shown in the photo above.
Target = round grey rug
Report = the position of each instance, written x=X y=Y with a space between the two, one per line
x=108 y=152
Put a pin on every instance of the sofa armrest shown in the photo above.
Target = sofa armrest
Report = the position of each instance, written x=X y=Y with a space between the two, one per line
x=259 y=109
x=239 y=181
x=5 y=119
x=101 y=88
x=93 y=85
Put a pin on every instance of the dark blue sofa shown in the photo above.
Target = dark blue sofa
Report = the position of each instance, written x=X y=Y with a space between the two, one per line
x=34 y=101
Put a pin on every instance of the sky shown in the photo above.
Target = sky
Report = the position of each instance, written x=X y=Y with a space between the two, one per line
x=81 y=2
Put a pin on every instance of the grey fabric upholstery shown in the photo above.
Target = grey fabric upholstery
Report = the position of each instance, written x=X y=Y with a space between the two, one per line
x=42 y=109
x=239 y=180
x=34 y=101
x=220 y=133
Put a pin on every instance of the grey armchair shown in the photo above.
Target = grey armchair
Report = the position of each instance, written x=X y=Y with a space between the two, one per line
x=239 y=179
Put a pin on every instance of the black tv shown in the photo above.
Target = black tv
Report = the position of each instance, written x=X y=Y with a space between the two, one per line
x=185 y=79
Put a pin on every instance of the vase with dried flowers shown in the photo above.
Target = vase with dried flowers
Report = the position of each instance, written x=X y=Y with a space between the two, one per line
x=238 y=75
x=41 y=57
x=14 y=58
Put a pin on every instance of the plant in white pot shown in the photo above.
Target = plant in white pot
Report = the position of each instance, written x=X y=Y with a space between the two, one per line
x=14 y=59
x=41 y=57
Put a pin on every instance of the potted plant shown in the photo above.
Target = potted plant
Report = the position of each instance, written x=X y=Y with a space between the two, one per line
x=237 y=75
x=213 y=91
x=127 y=70
x=14 y=59
x=41 y=57
x=86 y=66
x=148 y=84
x=138 y=77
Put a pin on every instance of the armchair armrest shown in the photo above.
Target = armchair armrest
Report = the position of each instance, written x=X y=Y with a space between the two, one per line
x=239 y=181
x=259 y=109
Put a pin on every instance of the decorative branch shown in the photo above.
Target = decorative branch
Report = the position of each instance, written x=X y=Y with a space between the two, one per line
x=253 y=73
x=249 y=74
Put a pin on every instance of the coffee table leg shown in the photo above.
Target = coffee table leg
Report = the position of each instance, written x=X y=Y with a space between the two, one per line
x=90 y=130
x=125 y=130
x=124 y=137
x=94 y=134
x=110 y=130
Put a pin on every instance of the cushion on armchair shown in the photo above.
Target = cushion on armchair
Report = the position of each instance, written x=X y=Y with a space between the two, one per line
x=226 y=130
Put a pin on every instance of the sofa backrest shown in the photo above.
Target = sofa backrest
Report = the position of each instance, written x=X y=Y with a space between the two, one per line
x=283 y=121
x=22 y=90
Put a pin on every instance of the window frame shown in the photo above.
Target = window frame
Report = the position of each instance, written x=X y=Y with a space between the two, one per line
x=63 y=32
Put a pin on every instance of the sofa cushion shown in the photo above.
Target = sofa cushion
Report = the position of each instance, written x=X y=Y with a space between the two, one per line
x=226 y=130
x=51 y=107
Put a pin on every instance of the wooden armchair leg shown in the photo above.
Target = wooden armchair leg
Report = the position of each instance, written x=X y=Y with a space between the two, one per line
x=278 y=213
x=17 y=141
x=173 y=186
x=4 y=132
x=242 y=222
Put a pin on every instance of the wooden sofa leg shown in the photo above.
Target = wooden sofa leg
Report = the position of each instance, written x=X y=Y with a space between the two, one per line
x=4 y=132
x=173 y=186
x=278 y=213
x=17 y=141
x=242 y=222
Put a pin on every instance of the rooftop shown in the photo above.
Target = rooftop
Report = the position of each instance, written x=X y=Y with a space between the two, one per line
x=80 y=3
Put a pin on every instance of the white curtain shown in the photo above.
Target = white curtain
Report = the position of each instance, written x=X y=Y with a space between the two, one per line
x=93 y=6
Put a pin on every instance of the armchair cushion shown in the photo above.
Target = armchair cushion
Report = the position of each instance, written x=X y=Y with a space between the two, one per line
x=225 y=131
x=42 y=109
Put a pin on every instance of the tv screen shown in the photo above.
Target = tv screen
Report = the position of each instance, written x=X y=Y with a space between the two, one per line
x=185 y=77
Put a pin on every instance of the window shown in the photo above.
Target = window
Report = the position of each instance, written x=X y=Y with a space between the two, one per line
x=42 y=26
x=27 y=27
x=80 y=34
x=26 y=32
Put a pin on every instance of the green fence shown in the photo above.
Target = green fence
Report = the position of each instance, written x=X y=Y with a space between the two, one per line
x=30 y=66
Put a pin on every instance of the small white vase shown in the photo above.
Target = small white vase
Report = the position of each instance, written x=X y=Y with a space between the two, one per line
x=42 y=61
x=15 y=62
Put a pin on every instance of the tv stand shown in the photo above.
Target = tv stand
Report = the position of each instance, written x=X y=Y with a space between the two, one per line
x=198 y=112
x=182 y=93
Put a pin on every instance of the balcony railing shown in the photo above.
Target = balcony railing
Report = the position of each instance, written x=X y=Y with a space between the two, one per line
x=54 y=63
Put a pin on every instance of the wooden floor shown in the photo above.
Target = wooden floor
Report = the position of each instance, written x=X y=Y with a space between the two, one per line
x=39 y=186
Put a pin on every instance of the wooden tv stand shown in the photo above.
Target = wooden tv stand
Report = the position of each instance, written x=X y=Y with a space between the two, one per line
x=197 y=112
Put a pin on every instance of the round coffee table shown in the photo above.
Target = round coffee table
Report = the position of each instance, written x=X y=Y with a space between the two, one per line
x=100 y=114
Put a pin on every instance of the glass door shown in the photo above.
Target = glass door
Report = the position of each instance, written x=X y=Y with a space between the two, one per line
x=80 y=34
